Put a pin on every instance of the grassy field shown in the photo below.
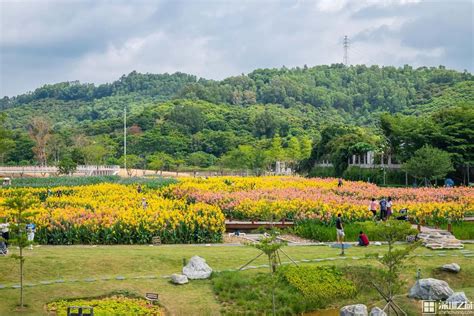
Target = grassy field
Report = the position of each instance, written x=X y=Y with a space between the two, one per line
x=50 y=263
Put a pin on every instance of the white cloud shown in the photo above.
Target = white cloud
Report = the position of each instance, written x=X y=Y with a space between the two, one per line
x=98 y=41
x=154 y=53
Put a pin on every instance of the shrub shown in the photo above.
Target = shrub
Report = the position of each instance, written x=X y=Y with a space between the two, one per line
x=114 y=305
x=320 y=285
x=375 y=175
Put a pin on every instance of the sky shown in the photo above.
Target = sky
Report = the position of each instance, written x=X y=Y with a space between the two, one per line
x=97 y=41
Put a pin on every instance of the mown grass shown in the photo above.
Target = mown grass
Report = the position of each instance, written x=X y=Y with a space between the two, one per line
x=48 y=263
x=317 y=231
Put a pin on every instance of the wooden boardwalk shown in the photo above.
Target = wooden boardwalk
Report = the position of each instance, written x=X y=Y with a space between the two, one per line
x=234 y=225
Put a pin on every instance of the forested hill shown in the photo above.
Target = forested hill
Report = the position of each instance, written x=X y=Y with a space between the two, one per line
x=354 y=92
x=197 y=121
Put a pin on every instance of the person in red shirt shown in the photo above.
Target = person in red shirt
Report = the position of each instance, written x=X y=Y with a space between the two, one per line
x=363 y=239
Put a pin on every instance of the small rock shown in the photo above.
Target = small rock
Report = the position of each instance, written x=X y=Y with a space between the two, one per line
x=458 y=297
x=354 y=310
x=197 y=268
x=430 y=289
x=179 y=279
x=452 y=267
x=377 y=311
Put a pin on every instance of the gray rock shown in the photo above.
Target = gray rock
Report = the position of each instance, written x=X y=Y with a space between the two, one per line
x=377 y=311
x=433 y=289
x=354 y=310
x=179 y=279
x=458 y=297
x=452 y=267
x=197 y=268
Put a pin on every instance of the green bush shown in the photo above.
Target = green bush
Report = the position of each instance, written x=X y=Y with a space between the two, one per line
x=322 y=172
x=462 y=230
x=316 y=230
x=320 y=285
x=375 y=175
x=113 y=305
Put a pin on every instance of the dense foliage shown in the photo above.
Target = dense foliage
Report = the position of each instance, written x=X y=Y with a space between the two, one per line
x=320 y=285
x=246 y=122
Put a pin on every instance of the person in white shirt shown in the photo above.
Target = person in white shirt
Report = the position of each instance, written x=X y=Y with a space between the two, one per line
x=389 y=207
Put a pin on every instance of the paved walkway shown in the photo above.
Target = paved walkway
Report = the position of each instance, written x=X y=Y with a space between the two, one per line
x=426 y=229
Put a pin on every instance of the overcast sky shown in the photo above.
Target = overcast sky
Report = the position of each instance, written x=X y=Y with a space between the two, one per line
x=98 y=41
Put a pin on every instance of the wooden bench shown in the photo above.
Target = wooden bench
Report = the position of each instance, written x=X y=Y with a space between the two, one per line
x=80 y=311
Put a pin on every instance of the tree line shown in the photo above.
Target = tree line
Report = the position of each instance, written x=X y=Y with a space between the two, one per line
x=299 y=116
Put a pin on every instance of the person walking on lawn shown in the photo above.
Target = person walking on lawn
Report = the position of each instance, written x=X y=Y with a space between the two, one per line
x=389 y=207
x=339 y=229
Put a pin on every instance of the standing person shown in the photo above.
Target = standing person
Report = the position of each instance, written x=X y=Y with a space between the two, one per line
x=389 y=207
x=30 y=233
x=139 y=189
x=5 y=237
x=363 y=239
x=339 y=183
x=373 y=207
x=383 y=209
x=339 y=229
x=144 y=203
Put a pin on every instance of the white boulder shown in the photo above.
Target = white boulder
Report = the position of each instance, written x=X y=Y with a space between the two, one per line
x=354 y=310
x=458 y=297
x=179 y=278
x=197 y=268
x=430 y=289
x=452 y=267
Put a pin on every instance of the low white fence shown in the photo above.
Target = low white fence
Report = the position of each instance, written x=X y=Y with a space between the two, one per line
x=88 y=170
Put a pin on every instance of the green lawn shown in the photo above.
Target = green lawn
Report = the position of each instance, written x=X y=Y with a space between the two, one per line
x=49 y=263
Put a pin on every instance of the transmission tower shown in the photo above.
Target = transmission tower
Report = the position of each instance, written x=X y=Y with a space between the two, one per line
x=346 y=47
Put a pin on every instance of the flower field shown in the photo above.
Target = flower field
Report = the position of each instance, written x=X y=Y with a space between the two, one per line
x=114 y=214
x=194 y=209
x=292 y=197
